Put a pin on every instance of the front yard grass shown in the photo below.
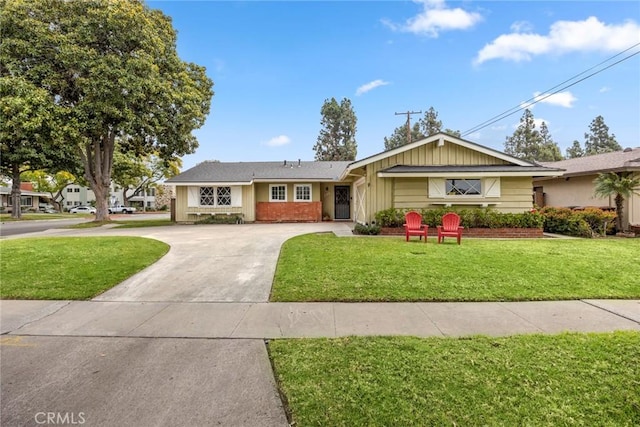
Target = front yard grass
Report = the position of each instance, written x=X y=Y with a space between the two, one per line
x=72 y=268
x=533 y=380
x=323 y=267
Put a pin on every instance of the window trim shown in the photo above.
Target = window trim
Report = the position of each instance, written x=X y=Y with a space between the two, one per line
x=271 y=199
x=464 y=196
x=295 y=192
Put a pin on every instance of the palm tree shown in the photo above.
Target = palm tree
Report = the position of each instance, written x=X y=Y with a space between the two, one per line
x=621 y=185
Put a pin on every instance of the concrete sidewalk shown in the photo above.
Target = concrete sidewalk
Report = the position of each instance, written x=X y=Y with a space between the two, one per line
x=298 y=320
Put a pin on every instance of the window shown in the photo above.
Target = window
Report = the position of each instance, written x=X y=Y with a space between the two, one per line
x=26 y=201
x=463 y=187
x=76 y=190
x=151 y=192
x=207 y=196
x=69 y=190
x=277 y=193
x=224 y=196
x=302 y=193
x=69 y=203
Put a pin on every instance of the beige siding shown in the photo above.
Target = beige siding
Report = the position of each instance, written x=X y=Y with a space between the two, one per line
x=185 y=213
x=578 y=191
x=412 y=193
x=383 y=193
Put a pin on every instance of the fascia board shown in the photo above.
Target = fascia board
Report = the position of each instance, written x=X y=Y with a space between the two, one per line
x=464 y=174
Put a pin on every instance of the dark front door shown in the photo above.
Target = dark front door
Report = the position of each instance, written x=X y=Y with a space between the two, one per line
x=342 y=202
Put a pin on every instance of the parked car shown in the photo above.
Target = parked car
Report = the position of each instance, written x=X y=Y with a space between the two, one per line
x=121 y=209
x=83 y=209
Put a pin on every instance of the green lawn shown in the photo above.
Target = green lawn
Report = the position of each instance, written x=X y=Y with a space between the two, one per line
x=534 y=380
x=323 y=267
x=43 y=216
x=70 y=268
x=124 y=223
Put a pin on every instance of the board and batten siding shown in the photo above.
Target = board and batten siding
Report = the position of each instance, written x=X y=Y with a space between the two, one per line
x=515 y=194
x=383 y=193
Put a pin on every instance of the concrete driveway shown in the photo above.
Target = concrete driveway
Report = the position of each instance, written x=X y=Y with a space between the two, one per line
x=211 y=263
x=100 y=380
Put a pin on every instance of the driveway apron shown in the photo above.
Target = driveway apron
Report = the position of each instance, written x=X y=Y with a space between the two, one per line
x=212 y=263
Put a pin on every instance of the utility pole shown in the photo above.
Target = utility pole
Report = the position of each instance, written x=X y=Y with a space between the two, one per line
x=409 y=113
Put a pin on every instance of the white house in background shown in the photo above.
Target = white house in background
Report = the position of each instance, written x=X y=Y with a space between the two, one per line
x=76 y=195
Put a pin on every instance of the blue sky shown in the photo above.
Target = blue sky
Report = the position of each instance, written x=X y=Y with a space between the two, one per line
x=274 y=63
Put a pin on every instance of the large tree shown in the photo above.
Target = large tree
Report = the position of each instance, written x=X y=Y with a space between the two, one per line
x=549 y=151
x=399 y=136
x=112 y=69
x=27 y=136
x=54 y=184
x=575 y=150
x=619 y=186
x=140 y=173
x=337 y=138
x=598 y=140
x=527 y=143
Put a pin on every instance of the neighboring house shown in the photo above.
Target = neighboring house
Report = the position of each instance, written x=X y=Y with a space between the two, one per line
x=29 y=199
x=576 y=188
x=440 y=170
x=76 y=195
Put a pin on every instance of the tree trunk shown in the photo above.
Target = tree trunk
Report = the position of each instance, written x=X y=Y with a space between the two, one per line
x=619 y=206
x=16 y=211
x=97 y=158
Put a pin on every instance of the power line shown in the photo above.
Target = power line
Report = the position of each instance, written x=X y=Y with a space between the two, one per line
x=559 y=87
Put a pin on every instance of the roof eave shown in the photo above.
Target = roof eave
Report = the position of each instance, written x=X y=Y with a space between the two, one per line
x=467 y=174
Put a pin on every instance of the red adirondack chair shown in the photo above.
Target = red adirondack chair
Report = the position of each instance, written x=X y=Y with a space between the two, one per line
x=413 y=225
x=450 y=227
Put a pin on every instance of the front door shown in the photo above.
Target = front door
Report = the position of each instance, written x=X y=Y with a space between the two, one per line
x=342 y=202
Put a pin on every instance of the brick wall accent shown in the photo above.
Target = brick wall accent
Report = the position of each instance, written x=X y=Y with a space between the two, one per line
x=289 y=211
x=477 y=232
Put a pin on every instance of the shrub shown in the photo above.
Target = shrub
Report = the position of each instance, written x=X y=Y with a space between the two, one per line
x=584 y=223
x=221 y=219
x=390 y=217
x=365 y=229
x=469 y=217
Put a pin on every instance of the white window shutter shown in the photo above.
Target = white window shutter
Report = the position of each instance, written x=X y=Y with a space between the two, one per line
x=436 y=188
x=236 y=196
x=492 y=187
x=193 y=197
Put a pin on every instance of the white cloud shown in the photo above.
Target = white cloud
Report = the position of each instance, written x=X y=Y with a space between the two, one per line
x=561 y=99
x=370 y=86
x=604 y=89
x=499 y=127
x=564 y=36
x=435 y=18
x=521 y=26
x=278 y=141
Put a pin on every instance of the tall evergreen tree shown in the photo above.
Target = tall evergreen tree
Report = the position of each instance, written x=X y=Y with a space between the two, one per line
x=399 y=136
x=598 y=140
x=337 y=138
x=527 y=143
x=429 y=124
x=549 y=150
x=575 y=150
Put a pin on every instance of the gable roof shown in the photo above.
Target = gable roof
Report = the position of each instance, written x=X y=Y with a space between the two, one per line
x=617 y=161
x=244 y=173
x=440 y=138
